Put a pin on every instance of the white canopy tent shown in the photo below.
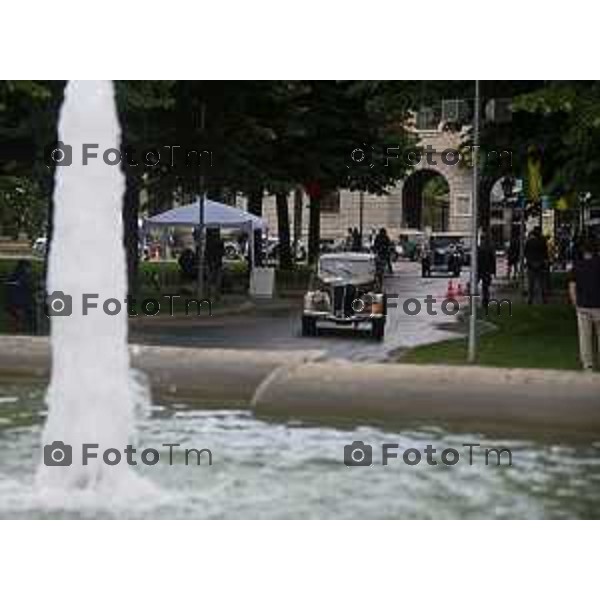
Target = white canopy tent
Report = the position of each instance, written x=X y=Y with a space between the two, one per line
x=216 y=214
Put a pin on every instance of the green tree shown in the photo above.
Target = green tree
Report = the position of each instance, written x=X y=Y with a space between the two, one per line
x=435 y=203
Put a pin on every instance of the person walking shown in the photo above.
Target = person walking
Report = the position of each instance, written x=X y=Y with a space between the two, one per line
x=381 y=249
x=486 y=268
x=513 y=256
x=584 y=293
x=536 y=257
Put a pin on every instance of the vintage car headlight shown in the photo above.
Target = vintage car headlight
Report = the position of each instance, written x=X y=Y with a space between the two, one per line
x=377 y=304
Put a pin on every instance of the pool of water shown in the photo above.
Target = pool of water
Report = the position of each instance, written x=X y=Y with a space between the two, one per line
x=263 y=469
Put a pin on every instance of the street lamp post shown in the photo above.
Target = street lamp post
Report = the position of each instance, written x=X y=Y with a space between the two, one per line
x=522 y=235
x=472 y=352
x=200 y=248
x=361 y=210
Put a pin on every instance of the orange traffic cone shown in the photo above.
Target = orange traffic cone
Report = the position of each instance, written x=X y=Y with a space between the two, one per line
x=459 y=291
x=450 y=292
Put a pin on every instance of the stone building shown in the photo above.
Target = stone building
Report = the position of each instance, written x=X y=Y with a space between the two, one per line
x=402 y=207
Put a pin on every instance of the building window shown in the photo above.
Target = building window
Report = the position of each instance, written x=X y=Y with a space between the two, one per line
x=330 y=203
x=455 y=111
x=462 y=205
x=427 y=119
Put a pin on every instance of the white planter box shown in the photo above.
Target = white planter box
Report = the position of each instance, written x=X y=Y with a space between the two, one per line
x=262 y=282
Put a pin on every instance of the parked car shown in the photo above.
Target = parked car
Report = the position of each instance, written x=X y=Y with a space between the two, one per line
x=412 y=242
x=444 y=254
x=272 y=250
x=344 y=292
x=38 y=248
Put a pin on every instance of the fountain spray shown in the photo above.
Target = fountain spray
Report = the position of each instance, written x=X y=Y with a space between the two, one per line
x=93 y=393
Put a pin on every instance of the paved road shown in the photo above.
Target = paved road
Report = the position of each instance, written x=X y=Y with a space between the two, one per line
x=280 y=330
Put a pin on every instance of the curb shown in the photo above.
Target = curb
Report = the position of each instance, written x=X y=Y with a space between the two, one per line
x=198 y=377
x=483 y=398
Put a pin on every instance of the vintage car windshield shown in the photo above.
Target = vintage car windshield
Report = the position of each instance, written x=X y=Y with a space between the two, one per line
x=347 y=268
x=442 y=242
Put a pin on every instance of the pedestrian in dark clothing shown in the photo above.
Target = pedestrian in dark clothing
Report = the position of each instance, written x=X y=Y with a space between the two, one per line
x=20 y=298
x=513 y=256
x=356 y=241
x=188 y=264
x=349 y=241
x=486 y=268
x=536 y=257
x=584 y=292
x=382 y=250
x=390 y=248
x=215 y=250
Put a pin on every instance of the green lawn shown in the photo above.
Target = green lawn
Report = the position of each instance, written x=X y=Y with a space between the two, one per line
x=543 y=337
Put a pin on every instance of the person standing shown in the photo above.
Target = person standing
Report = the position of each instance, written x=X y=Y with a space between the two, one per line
x=372 y=237
x=349 y=241
x=536 y=257
x=486 y=268
x=513 y=256
x=356 y=240
x=215 y=250
x=584 y=292
x=381 y=249
x=20 y=298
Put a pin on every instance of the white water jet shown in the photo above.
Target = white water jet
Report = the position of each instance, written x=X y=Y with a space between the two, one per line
x=93 y=395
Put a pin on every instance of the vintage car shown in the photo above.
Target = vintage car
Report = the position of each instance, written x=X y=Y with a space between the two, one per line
x=412 y=242
x=344 y=291
x=444 y=254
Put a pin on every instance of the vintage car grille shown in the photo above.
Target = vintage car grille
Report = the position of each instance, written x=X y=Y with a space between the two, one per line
x=343 y=296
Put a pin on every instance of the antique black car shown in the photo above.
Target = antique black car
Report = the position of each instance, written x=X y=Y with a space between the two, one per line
x=444 y=254
x=345 y=292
